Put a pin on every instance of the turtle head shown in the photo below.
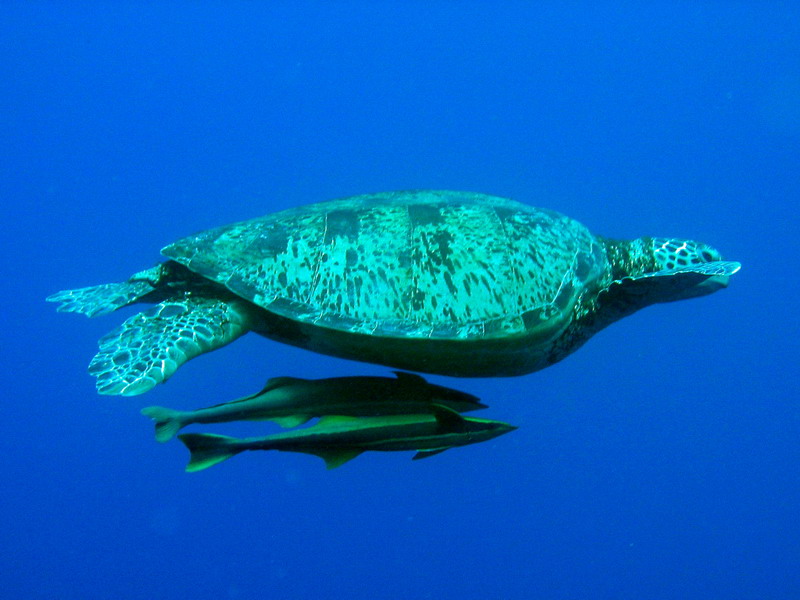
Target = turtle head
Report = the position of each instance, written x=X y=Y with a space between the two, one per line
x=650 y=270
x=671 y=253
x=697 y=267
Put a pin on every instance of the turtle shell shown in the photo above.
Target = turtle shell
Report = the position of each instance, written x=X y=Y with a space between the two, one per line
x=410 y=264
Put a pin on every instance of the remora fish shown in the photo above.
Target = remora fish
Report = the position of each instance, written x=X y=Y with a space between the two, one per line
x=291 y=401
x=338 y=439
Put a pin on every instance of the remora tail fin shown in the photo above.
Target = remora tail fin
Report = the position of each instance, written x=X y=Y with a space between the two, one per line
x=207 y=449
x=168 y=421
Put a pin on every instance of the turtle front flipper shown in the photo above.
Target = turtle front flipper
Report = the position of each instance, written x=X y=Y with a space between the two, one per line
x=149 y=347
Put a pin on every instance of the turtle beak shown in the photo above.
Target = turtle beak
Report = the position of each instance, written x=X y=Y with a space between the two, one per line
x=712 y=284
x=719 y=280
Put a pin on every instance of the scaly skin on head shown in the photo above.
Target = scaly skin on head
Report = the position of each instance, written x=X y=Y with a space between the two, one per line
x=649 y=255
x=629 y=258
x=674 y=253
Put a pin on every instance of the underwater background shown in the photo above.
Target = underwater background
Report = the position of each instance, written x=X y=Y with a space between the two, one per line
x=659 y=461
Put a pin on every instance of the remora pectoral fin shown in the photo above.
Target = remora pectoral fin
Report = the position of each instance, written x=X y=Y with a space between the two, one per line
x=290 y=421
x=335 y=457
x=426 y=453
x=449 y=419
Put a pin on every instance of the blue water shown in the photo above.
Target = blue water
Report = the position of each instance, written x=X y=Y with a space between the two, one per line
x=658 y=462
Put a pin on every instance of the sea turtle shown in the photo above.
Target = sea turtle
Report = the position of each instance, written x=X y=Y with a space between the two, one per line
x=454 y=283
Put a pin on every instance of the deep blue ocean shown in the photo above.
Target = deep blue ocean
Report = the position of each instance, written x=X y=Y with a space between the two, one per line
x=660 y=461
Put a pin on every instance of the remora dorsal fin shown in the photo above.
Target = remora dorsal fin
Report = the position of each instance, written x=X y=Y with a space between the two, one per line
x=410 y=378
x=449 y=419
x=276 y=382
x=272 y=384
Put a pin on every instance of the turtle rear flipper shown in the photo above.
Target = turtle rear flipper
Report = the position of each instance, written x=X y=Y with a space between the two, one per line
x=108 y=297
x=101 y=299
x=149 y=347
x=668 y=285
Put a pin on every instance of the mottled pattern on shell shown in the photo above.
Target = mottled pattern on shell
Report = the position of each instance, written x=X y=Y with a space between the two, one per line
x=437 y=264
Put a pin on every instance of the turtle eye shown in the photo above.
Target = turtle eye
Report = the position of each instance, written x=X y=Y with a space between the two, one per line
x=707 y=257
